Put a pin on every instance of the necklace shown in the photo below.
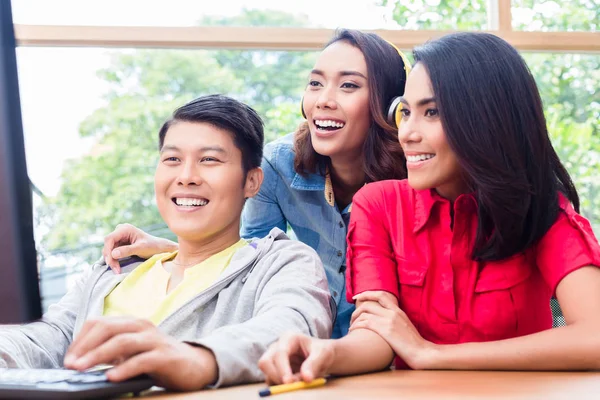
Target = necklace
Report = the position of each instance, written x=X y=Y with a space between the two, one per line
x=183 y=265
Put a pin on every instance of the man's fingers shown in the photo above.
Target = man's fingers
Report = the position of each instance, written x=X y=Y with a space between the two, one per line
x=142 y=363
x=117 y=348
x=98 y=332
x=73 y=350
x=96 y=335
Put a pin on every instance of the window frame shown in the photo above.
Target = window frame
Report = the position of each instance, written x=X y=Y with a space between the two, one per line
x=264 y=38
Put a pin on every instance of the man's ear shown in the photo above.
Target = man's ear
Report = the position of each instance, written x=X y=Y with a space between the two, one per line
x=254 y=179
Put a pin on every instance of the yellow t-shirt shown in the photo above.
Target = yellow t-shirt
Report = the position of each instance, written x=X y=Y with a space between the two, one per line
x=143 y=293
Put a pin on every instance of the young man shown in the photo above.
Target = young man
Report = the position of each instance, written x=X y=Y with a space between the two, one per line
x=202 y=315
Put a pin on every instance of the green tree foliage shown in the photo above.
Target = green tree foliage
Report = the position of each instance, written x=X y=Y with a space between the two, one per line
x=439 y=14
x=114 y=183
x=570 y=15
x=568 y=83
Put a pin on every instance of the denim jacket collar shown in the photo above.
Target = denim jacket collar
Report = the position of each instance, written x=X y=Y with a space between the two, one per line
x=317 y=182
x=308 y=182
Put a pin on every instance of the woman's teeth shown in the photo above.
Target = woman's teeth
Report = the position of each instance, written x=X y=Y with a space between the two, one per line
x=420 y=157
x=327 y=124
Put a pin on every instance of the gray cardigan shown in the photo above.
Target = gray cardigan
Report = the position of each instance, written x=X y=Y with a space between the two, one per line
x=272 y=286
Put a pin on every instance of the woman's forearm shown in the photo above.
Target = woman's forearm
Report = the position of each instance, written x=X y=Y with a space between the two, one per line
x=574 y=347
x=359 y=352
x=168 y=245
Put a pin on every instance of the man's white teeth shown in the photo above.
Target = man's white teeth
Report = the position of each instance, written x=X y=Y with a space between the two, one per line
x=420 y=157
x=190 y=202
x=328 y=123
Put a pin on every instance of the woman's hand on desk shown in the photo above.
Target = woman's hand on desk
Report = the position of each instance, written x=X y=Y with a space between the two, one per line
x=137 y=347
x=296 y=357
x=379 y=312
x=127 y=240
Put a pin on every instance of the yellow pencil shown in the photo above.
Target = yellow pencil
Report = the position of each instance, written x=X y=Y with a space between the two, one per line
x=289 y=387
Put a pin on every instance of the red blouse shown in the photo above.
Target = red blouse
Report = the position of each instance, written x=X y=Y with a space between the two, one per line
x=400 y=240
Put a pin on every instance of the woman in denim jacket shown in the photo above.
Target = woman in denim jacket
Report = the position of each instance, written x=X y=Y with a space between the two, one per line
x=311 y=175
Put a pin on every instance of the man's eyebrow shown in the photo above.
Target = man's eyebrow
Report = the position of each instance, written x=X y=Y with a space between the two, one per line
x=204 y=149
x=168 y=147
x=421 y=102
x=218 y=149
x=341 y=73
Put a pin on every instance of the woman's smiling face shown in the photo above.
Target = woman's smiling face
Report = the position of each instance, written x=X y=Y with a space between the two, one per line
x=336 y=101
x=430 y=161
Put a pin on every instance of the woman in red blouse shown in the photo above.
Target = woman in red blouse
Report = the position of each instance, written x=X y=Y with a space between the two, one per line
x=454 y=268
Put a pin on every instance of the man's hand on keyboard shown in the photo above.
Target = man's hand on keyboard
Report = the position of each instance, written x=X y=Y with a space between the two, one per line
x=137 y=347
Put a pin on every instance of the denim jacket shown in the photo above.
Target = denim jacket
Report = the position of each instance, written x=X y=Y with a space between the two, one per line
x=289 y=198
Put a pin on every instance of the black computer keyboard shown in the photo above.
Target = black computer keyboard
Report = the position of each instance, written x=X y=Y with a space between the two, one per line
x=41 y=376
x=64 y=384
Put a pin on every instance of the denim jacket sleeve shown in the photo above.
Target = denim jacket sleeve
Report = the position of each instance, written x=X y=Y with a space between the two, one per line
x=262 y=212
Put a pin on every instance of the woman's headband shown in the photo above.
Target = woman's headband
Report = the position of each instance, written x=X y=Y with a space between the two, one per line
x=394 y=114
x=404 y=59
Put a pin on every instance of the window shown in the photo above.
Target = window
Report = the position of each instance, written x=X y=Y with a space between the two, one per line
x=536 y=15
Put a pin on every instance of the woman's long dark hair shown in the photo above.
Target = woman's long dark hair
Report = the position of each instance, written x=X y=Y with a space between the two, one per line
x=492 y=114
x=384 y=158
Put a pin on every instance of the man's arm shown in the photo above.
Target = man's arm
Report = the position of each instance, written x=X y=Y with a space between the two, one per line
x=42 y=344
x=293 y=298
